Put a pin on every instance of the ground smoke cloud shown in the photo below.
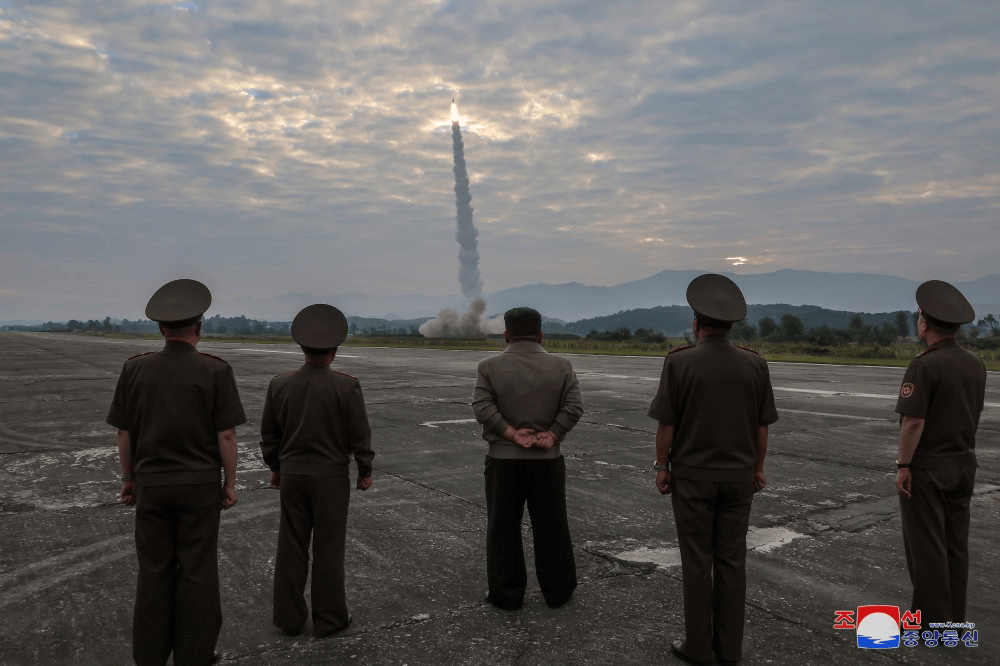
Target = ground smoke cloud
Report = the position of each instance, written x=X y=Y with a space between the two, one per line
x=471 y=324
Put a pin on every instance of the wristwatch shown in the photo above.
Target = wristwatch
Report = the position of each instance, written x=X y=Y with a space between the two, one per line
x=900 y=465
x=658 y=467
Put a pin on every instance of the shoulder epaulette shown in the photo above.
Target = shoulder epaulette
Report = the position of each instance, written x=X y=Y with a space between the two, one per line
x=142 y=354
x=752 y=351
x=346 y=375
x=210 y=356
x=677 y=349
x=926 y=352
x=290 y=372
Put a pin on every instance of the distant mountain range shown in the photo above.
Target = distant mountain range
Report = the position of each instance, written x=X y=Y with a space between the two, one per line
x=573 y=301
x=674 y=320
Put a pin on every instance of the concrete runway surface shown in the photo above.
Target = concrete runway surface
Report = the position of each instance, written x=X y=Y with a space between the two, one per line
x=825 y=533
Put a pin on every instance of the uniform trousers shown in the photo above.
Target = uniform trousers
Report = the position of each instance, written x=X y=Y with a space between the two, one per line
x=316 y=507
x=177 y=604
x=712 y=520
x=542 y=485
x=936 y=538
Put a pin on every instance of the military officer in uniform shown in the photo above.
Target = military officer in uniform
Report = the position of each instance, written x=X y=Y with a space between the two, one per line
x=527 y=400
x=314 y=420
x=940 y=401
x=713 y=406
x=176 y=412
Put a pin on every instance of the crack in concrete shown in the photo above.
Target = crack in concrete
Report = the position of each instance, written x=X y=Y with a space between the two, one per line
x=802 y=626
x=875 y=467
x=525 y=642
x=394 y=530
x=282 y=644
x=617 y=426
x=81 y=514
x=431 y=488
x=618 y=566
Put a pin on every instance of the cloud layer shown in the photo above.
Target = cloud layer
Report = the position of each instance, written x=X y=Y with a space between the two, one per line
x=273 y=147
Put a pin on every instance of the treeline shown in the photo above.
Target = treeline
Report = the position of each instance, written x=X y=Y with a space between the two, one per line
x=219 y=325
x=623 y=334
x=984 y=333
x=216 y=325
x=791 y=329
x=777 y=323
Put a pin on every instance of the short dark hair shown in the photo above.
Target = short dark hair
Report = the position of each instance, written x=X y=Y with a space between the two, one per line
x=175 y=328
x=708 y=322
x=522 y=322
x=313 y=351
x=940 y=327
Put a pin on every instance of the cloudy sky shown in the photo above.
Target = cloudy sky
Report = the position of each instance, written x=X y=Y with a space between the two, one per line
x=274 y=147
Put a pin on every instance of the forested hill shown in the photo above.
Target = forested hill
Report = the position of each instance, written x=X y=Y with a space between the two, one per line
x=673 y=319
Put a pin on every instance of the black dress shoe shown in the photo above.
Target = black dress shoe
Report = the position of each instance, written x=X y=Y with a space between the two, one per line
x=558 y=602
x=327 y=634
x=503 y=606
x=291 y=632
x=678 y=649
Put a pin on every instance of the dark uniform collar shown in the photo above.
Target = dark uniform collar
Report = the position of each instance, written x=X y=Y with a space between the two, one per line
x=713 y=340
x=178 y=346
x=944 y=342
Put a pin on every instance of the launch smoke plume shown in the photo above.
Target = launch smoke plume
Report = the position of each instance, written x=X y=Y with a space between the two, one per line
x=449 y=323
x=468 y=253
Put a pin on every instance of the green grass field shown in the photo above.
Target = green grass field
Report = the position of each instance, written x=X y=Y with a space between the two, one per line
x=789 y=352
x=896 y=355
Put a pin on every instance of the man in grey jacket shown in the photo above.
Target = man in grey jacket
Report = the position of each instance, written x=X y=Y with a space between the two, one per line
x=527 y=400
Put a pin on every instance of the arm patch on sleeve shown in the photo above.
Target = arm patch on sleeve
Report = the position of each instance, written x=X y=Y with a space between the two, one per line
x=906 y=390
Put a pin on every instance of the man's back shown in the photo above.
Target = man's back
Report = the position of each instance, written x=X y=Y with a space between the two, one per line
x=173 y=403
x=316 y=416
x=716 y=395
x=526 y=387
x=530 y=383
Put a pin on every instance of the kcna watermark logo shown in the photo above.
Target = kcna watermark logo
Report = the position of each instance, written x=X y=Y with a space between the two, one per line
x=883 y=628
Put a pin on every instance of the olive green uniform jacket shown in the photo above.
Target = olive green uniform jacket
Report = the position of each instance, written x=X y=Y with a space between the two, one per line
x=716 y=395
x=945 y=386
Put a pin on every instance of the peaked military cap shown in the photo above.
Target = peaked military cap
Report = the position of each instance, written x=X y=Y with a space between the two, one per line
x=717 y=297
x=319 y=326
x=944 y=302
x=179 y=301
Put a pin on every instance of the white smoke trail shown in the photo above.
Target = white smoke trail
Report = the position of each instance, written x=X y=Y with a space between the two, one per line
x=471 y=324
x=468 y=253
